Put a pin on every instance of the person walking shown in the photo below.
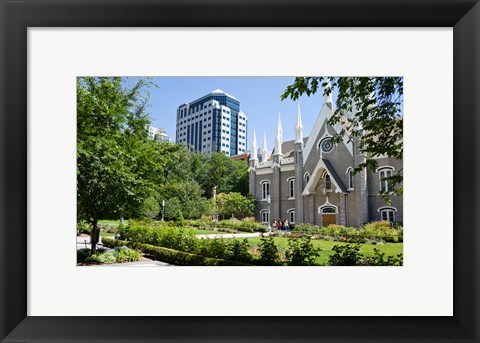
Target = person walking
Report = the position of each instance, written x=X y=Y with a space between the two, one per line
x=280 y=225
x=274 y=225
x=285 y=225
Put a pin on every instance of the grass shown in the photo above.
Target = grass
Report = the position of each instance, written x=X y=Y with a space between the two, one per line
x=390 y=249
x=112 y=223
x=106 y=234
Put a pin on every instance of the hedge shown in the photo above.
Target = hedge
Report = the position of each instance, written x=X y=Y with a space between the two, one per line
x=176 y=257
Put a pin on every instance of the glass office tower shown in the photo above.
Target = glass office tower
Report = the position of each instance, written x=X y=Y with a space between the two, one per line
x=213 y=123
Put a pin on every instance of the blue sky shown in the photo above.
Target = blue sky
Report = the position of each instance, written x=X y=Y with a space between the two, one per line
x=259 y=100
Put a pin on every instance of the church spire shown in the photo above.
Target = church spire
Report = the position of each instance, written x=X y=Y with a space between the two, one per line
x=264 y=149
x=327 y=99
x=299 y=127
x=254 y=148
x=279 y=137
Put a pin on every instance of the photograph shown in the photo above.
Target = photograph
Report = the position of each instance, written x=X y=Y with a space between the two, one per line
x=239 y=171
x=234 y=171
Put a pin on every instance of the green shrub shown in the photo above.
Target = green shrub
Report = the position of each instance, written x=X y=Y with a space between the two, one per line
x=379 y=260
x=213 y=247
x=371 y=233
x=136 y=232
x=262 y=228
x=268 y=251
x=175 y=238
x=301 y=251
x=345 y=255
x=306 y=228
x=172 y=256
x=240 y=251
x=348 y=255
x=83 y=227
x=125 y=254
x=102 y=257
x=245 y=226
x=162 y=235
x=83 y=254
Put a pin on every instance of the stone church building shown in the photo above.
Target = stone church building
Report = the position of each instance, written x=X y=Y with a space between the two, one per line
x=310 y=180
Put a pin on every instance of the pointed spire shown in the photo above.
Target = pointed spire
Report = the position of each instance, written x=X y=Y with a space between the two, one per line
x=279 y=128
x=278 y=137
x=264 y=149
x=299 y=127
x=254 y=148
x=327 y=99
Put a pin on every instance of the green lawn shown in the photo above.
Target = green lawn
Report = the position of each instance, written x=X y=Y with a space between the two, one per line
x=106 y=234
x=390 y=249
x=112 y=223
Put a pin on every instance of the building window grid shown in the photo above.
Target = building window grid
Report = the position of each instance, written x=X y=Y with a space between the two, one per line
x=291 y=187
x=350 y=178
x=265 y=216
x=265 y=189
x=385 y=184
x=388 y=214
x=328 y=182
x=291 y=216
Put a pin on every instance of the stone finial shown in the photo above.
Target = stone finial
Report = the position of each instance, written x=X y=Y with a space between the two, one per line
x=264 y=148
x=327 y=99
x=278 y=137
x=299 y=127
x=254 y=148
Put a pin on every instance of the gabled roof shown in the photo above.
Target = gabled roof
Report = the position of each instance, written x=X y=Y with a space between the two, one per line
x=325 y=114
x=324 y=165
x=289 y=146
x=333 y=173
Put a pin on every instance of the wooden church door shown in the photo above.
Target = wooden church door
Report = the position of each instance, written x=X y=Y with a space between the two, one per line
x=328 y=216
x=328 y=219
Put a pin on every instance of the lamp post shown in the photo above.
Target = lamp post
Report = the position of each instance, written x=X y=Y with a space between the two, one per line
x=163 y=209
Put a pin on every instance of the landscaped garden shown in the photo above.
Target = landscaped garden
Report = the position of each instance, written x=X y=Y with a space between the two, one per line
x=177 y=243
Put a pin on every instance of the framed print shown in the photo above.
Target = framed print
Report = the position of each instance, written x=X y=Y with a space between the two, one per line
x=31 y=306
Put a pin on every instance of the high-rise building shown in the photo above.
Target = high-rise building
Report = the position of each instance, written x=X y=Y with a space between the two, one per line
x=158 y=134
x=213 y=123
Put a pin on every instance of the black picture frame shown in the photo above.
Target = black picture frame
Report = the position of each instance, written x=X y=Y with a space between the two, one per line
x=18 y=15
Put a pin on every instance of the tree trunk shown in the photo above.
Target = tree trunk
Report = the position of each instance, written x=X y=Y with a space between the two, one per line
x=94 y=235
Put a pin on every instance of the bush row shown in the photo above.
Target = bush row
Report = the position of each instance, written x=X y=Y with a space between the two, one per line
x=185 y=240
x=172 y=256
x=348 y=255
x=375 y=231
x=240 y=225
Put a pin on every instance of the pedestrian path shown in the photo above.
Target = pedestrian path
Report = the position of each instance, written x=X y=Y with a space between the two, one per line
x=83 y=242
x=233 y=235
x=144 y=263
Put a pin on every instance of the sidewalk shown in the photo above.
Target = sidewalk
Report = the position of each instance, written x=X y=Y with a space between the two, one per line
x=83 y=241
x=232 y=235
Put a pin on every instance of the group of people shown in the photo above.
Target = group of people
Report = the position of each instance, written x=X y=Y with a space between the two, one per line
x=278 y=224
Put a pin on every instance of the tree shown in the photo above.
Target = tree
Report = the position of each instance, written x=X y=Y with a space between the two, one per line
x=150 y=208
x=173 y=208
x=370 y=108
x=117 y=166
x=235 y=204
x=224 y=173
x=184 y=196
